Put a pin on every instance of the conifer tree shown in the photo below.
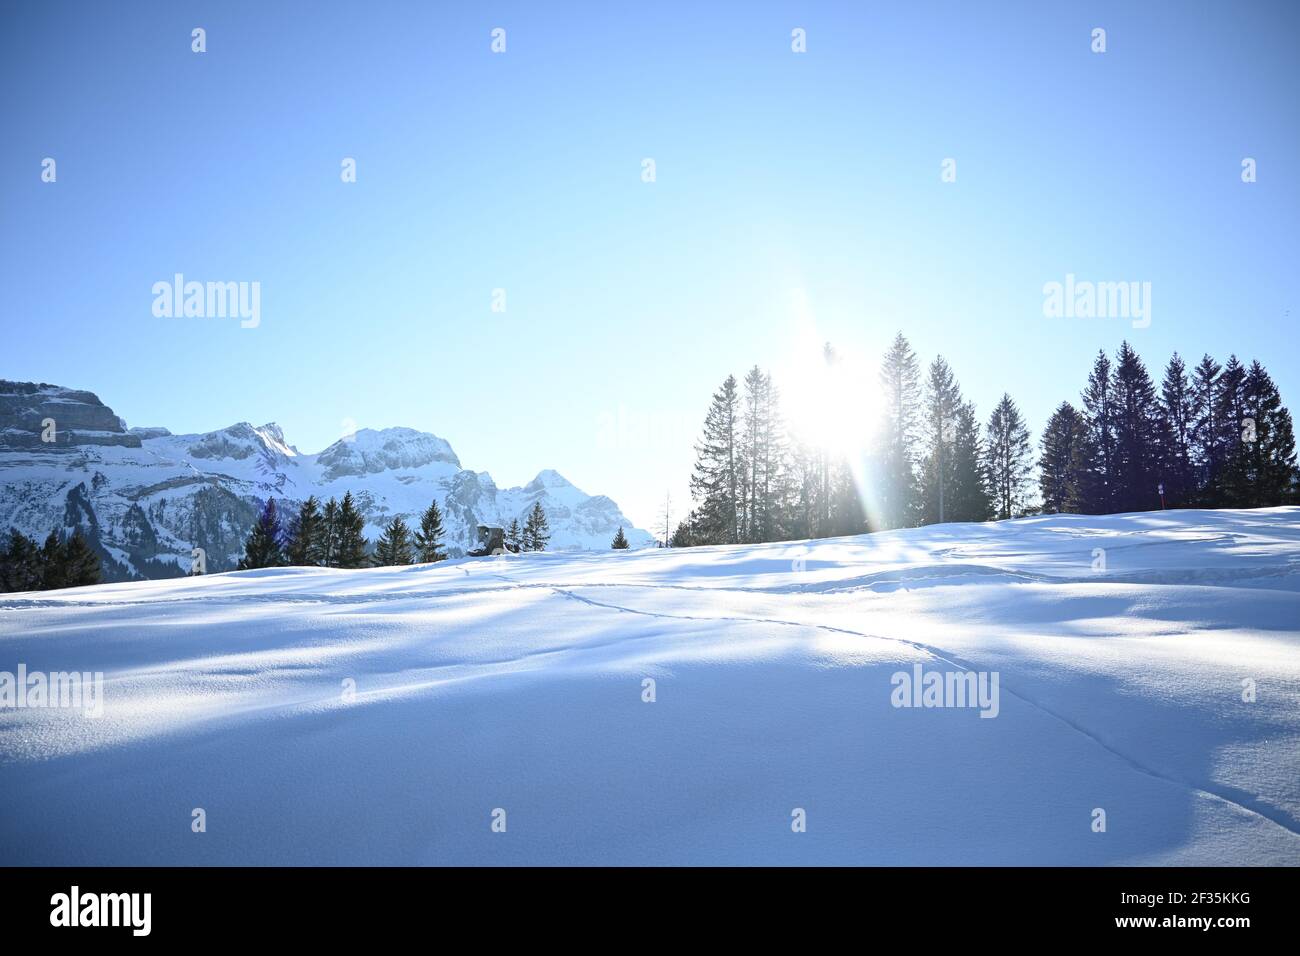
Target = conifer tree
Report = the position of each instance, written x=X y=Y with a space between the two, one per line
x=53 y=563
x=901 y=386
x=305 y=531
x=82 y=565
x=1234 y=480
x=265 y=545
x=971 y=497
x=428 y=538
x=1063 y=481
x=514 y=536
x=1133 y=403
x=537 y=533
x=1008 y=458
x=325 y=548
x=1176 y=424
x=351 y=535
x=939 y=426
x=394 y=545
x=1264 y=469
x=20 y=563
x=1207 y=431
x=715 y=483
x=1100 y=417
x=620 y=540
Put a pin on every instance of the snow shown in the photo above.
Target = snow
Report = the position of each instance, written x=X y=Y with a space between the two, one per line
x=516 y=683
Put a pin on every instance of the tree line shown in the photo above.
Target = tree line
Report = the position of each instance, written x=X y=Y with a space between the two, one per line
x=63 y=561
x=1214 y=436
x=333 y=536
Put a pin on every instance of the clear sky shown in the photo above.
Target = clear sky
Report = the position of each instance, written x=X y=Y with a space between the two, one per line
x=798 y=197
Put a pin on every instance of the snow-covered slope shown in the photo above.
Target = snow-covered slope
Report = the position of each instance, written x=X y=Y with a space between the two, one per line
x=146 y=497
x=1121 y=645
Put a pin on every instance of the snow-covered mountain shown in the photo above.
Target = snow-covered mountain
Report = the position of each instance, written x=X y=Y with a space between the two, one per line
x=146 y=498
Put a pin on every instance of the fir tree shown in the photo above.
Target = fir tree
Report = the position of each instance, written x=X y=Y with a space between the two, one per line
x=1064 y=478
x=351 y=540
x=971 y=498
x=1207 y=430
x=428 y=539
x=1266 y=456
x=939 y=424
x=514 y=536
x=20 y=563
x=620 y=540
x=898 y=488
x=326 y=546
x=1133 y=404
x=1008 y=458
x=394 y=545
x=1234 y=480
x=715 y=484
x=306 y=530
x=265 y=545
x=53 y=563
x=1100 y=417
x=1176 y=416
x=82 y=565
x=537 y=533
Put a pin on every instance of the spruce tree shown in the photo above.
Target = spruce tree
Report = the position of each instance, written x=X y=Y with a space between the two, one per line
x=1234 y=481
x=394 y=545
x=901 y=386
x=1133 y=403
x=20 y=564
x=265 y=545
x=351 y=535
x=1065 y=478
x=326 y=546
x=1176 y=414
x=428 y=537
x=53 y=563
x=620 y=540
x=537 y=533
x=514 y=536
x=939 y=426
x=971 y=497
x=306 y=530
x=1207 y=431
x=1100 y=416
x=82 y=565
x=1266 y=456
x=715 y=483
x=1009 y=460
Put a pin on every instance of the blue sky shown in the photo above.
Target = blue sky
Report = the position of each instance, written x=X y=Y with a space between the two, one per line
x=797 y=197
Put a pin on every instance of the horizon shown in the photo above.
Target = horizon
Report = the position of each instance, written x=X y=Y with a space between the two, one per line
x=798 y=198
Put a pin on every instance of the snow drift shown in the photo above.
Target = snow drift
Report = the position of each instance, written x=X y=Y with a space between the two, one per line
x=1148 y=667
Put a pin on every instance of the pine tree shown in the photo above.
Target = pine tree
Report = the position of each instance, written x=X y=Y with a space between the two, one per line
x=620 y=540
x=939 y=424
x=514 y=536
x=1100 y=417
x=1234 y=484
x=1009 y=459
x=715 y=484
x=306 y=529
x=1207 y=431
x=83 y=566
x=1265 y=466
x=53 y=563
x=265 y=545
x=1133 y=403
x=901 y=385
x=537 y=532
x=1063 y=467
x=351 y=539
x=428 y=539
x=20 y=563
x=1176 y=421
x=971 y=498
x=326 y=546
x=394 y=545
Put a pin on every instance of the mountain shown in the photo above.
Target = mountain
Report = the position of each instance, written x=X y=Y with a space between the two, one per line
x=145 y=497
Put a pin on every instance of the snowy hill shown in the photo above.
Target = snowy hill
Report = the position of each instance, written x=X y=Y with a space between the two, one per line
x=145 y=497
x=1124 y=649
